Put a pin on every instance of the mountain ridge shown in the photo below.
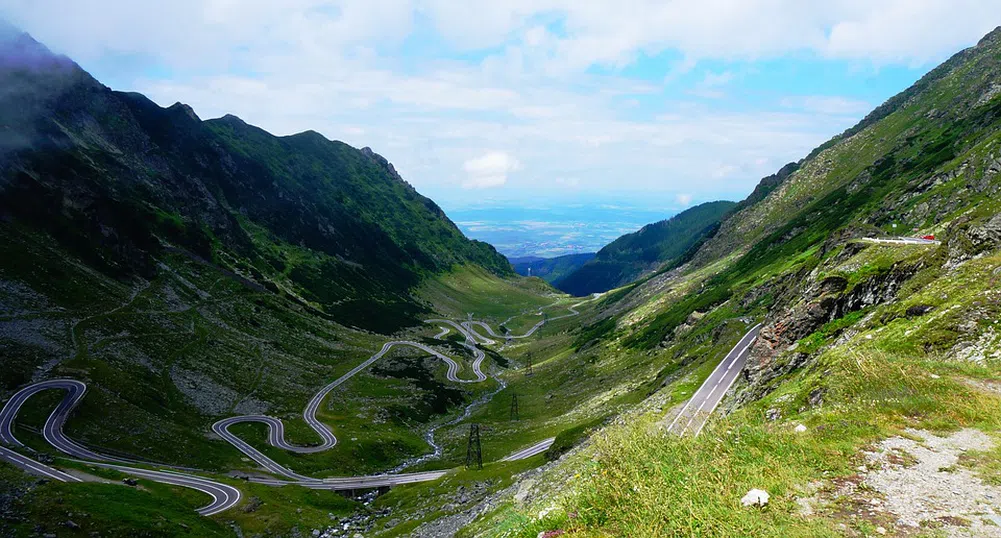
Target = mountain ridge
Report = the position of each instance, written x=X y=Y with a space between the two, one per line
x=550 y=269
x=148 y=175
x=865 y=341
x=665 y=242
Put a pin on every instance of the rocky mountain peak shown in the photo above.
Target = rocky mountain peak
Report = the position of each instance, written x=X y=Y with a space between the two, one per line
x=232 y=119
x=384 y=163
x=991 y=39
x=184 y=109
x=18 y=50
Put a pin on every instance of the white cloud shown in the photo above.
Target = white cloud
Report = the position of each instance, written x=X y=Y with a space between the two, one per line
x=570 y=182
x=488 y=170
x=345 y=68
x=825 y=104
x=908 y=31
x=684 y=200
x=724 y=170
x=615 y=33
x=711 y=85
x=712 y=79
x=227 y=32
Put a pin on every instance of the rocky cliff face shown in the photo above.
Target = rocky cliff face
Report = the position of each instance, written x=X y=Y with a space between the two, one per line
x=831 y=300
x=821 y=300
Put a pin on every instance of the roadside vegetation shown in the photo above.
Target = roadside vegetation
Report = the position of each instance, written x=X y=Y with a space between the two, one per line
x=868 y=380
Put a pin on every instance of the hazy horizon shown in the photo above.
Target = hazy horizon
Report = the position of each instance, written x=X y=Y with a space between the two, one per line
x=552 y=231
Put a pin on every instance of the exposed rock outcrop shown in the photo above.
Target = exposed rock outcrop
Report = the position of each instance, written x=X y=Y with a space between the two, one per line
x=776 y=351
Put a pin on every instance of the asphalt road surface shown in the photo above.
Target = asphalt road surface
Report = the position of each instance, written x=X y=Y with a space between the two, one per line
x=700 y=406
x=35 y=467
x=469 y=325
x=225 y=496
x=537 y=448
x=903 y=241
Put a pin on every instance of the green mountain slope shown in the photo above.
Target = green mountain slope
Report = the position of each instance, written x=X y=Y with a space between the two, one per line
x=118 y=180
x=861 y=341
x=550 y=269
x=190 y=270
x=654 y=245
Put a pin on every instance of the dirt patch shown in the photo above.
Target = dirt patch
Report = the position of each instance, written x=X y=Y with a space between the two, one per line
x=984 y=385
x=928 y=490
x=910 y=486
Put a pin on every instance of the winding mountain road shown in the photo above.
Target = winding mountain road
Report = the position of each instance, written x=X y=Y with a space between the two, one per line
x=223 y=495
x=700 y=406
x=468 y=325
x=276 y=429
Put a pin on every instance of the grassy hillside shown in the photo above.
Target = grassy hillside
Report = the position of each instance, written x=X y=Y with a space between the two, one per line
x=662 y=243
x=190 y=270
x=550 y=269
x=870 y=346
x=867 y=345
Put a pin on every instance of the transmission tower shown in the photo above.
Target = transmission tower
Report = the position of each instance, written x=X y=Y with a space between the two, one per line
x=474 y=454
x=514 y=407
x=528 y=364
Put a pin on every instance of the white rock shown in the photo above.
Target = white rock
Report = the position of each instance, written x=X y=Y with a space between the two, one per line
x=524 y=490
x=800 y=428
x=755 y=497
x=880 y=530
x=933 y=376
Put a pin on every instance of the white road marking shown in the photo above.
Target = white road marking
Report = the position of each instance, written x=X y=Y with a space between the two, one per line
x=703 y=395
x=225 y=496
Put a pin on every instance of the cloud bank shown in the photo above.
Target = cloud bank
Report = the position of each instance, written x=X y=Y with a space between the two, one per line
x=655 y=99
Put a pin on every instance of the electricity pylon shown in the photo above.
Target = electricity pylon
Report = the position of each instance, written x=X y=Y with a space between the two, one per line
x=474 y=453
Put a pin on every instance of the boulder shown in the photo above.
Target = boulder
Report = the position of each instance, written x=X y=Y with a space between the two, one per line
x=524 y=491
x=816 y=397
x=755 y=497
x=919 y=310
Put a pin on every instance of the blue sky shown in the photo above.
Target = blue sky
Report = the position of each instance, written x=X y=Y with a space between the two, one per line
x=651 y=104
